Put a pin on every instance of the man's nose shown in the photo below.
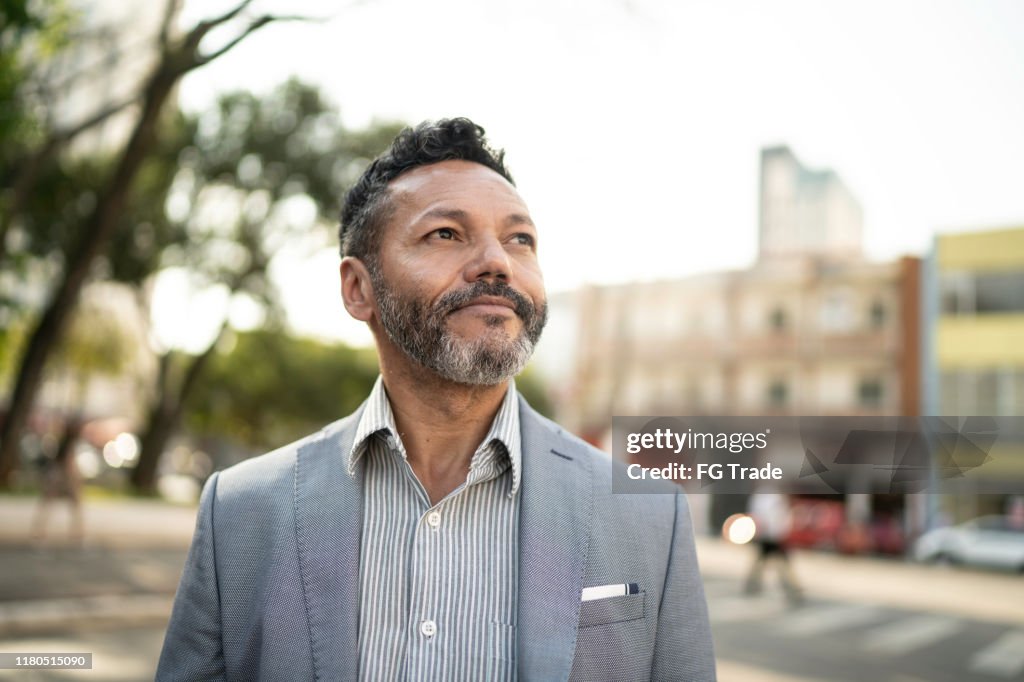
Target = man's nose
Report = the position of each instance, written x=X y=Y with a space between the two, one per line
x=491 y=261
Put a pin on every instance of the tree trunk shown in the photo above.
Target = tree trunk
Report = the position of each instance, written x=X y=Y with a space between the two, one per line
x=96 y=234
x=160 y=426
x=165 y=417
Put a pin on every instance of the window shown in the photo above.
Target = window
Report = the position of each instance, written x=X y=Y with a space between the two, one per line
x=869 y=393
x=999 y=292
x=957 y=290
x=778 y=393
x=876 y=315
x=777 y=320
x=836 y=312
x=967 y=293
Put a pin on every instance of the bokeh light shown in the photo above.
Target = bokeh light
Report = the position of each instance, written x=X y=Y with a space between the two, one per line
x=739 y=529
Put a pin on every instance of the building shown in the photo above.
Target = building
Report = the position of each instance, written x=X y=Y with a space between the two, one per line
x=799 y=337
x=805 y=212
x=974 y=341
x=810 y=329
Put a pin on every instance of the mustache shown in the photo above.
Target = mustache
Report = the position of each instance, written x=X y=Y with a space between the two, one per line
x=452 y=301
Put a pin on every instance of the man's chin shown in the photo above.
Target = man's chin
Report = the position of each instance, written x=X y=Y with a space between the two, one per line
x=485 y=326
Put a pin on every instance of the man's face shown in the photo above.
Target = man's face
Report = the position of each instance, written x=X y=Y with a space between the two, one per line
x=457 y=282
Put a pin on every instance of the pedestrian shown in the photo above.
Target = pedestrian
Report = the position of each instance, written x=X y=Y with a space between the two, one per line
x=62 y=480
x=772 y=522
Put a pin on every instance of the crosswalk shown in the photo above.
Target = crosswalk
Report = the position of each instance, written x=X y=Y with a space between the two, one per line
x=873 y=631
x=1004 y=658
x=910 y=634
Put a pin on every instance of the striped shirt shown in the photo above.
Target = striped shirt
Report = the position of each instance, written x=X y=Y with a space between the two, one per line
x=438 y=583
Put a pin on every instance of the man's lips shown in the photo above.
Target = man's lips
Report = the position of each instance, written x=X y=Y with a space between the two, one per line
x=490 y=305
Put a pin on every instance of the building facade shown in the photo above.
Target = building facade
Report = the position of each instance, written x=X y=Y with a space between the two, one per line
x=805 y=212
x=974 y=340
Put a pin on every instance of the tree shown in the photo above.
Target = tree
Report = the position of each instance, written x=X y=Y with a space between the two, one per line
x=271 y=388
x=177 y=57
x=261 y=172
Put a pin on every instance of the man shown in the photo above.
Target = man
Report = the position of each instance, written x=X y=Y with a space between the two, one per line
x=444 y=530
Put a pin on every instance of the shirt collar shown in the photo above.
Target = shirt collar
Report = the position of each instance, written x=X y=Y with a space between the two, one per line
x=377 y=418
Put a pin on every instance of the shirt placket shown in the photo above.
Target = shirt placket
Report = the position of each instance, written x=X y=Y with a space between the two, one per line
x=429 y=630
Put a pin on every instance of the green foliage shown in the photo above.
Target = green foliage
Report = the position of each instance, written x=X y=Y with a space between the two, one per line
x=260 y=173
x=266 y=388
x=95 y=344
x=145 y=233
x=532 y=387
x=271 y=388
x=31 y=33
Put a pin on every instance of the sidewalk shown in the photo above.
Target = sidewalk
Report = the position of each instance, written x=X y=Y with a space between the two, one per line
x=988 y=596
x=108 y=523
x=125 y=574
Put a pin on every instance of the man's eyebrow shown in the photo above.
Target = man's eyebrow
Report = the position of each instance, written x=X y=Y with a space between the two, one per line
x=519 y=219
x=458 y=214
x=446 y=213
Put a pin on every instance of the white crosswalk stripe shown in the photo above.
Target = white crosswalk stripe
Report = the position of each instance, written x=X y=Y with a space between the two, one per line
x=744 y=608
x=881 y=636
x=908 y=634
x=1004 y=657
x=822 y=619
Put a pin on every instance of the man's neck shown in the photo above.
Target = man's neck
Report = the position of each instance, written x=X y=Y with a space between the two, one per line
x=441 y=423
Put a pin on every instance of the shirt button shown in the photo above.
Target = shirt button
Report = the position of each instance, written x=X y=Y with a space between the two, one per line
x=434 y=519
x=428 y=628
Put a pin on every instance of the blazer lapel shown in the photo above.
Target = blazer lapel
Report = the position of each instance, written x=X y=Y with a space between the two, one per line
x=328 y=524
x=554 y=535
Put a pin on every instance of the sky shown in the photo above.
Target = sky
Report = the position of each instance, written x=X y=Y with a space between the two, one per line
x=633 y=127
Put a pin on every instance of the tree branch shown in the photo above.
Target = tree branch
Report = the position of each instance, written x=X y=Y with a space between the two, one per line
x=203 y=27
x=252 y=27
x=170 y=11
x=62 y=136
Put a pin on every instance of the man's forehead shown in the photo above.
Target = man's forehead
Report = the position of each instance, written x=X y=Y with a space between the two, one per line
x=452 y=179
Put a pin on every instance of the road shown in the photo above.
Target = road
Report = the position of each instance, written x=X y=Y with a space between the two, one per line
x=863 y=618
x=839 y=640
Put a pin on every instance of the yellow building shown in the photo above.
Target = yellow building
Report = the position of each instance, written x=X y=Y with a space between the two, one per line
x=975 y=330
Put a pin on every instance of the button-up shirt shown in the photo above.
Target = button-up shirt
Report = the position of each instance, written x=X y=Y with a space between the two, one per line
x=438 y=582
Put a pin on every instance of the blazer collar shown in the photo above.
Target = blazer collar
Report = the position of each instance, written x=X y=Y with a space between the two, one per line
x=554 y=536
x=328 y=529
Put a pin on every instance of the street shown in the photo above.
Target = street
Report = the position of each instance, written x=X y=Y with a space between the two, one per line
x=863 y=618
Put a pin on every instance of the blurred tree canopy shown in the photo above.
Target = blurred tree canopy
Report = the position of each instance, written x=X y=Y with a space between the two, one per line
x=270 y=388
x=258 y=174
x=25 y=160
x=30 y=33
x=264 y=388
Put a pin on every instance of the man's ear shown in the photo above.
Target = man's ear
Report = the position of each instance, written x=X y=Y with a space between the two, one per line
x=356 y=289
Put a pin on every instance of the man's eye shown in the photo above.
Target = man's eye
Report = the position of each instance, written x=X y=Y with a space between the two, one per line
x=524 y=239
x=445 y=233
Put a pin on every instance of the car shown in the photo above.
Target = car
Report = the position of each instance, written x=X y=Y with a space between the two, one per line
x=996 y=541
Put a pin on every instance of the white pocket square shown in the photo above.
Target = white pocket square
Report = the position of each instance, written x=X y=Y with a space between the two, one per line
x=608 y=591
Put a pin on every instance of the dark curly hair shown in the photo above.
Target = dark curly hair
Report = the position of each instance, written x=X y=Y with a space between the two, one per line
x=367 y=206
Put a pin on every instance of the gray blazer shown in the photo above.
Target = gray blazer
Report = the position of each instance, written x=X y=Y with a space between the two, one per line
x=270 y=588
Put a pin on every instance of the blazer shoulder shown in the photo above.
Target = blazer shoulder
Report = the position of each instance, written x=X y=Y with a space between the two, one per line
x=277 y=468
x=603 y=468
x=557 y=436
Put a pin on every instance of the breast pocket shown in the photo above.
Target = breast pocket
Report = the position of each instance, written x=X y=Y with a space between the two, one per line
x=612 y=610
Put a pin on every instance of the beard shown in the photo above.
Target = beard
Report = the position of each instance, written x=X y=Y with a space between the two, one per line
x=423 y=332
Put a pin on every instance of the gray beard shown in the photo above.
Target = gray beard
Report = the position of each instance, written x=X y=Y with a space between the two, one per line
x=487 y=360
